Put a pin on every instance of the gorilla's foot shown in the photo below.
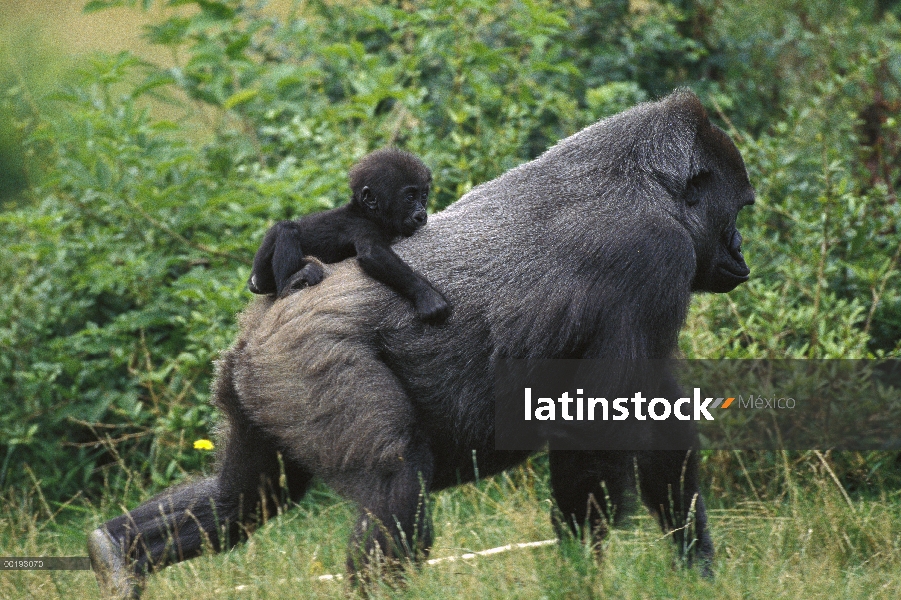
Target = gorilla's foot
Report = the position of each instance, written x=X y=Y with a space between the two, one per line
x=111 y=568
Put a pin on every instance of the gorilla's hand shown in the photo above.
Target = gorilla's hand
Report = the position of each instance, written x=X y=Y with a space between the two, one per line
x=431 y=306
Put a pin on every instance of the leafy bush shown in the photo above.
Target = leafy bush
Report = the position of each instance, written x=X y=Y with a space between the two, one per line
x=127 y=258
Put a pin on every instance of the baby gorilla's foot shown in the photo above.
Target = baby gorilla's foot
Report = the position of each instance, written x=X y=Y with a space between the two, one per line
x=310 y=275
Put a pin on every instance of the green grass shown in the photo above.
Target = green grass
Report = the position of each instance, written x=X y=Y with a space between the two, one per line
x=811 y=543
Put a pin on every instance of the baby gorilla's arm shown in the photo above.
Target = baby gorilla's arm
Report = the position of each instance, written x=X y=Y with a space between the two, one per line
x=380 y=262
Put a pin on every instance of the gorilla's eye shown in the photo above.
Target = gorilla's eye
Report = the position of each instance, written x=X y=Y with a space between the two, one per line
x=695 y=186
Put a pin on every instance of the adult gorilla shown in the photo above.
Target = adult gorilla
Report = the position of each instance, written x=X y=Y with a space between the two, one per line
x=590 y=251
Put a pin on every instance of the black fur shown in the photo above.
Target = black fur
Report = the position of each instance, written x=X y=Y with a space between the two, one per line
x=590 y=251
x=390 y=189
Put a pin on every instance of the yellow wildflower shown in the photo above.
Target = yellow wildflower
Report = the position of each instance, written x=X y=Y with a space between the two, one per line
x=203 y=445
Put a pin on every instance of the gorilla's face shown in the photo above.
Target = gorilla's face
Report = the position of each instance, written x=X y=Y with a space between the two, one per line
x=413 y=198
x=391 y=187
x=715 y=195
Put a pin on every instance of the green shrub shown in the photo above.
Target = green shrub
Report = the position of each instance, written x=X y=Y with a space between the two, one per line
x=125 y=261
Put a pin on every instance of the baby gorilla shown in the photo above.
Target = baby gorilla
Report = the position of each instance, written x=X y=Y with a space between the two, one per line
x=390 y=189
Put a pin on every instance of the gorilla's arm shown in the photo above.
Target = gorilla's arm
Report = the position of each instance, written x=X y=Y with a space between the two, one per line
x=379 y=261
x=642 y=309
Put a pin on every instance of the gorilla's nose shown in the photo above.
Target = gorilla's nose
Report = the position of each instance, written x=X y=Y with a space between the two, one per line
x=420 y=218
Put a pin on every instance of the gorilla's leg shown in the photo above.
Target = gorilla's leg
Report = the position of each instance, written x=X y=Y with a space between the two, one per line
x=216 y=511
x=393 y=521
x=589 y=488
x=351 y=422
x=668 y=480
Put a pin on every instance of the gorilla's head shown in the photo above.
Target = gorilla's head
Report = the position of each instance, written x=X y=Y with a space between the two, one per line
x=703 y=178
x=392 y=187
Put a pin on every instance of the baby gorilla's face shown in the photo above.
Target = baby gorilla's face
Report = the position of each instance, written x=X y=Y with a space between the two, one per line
x=413 y=199
x=392 y=187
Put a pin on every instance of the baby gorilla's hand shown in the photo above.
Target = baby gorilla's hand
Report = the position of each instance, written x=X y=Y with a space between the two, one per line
x=310 y=275
x=431 y=307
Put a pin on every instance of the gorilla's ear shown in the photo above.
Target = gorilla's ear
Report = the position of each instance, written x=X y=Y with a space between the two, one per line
x=681 y=121
x=368 y=198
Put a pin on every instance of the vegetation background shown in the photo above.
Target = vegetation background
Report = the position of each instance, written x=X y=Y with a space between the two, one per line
x=135 y=186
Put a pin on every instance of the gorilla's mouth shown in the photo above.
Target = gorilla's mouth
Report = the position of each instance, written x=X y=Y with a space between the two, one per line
x=736 y=265
x=409 y=227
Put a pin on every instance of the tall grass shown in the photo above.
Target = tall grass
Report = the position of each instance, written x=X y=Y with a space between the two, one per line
x=803 y=538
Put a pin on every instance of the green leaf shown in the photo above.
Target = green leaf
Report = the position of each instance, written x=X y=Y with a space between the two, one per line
x=241 y=97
